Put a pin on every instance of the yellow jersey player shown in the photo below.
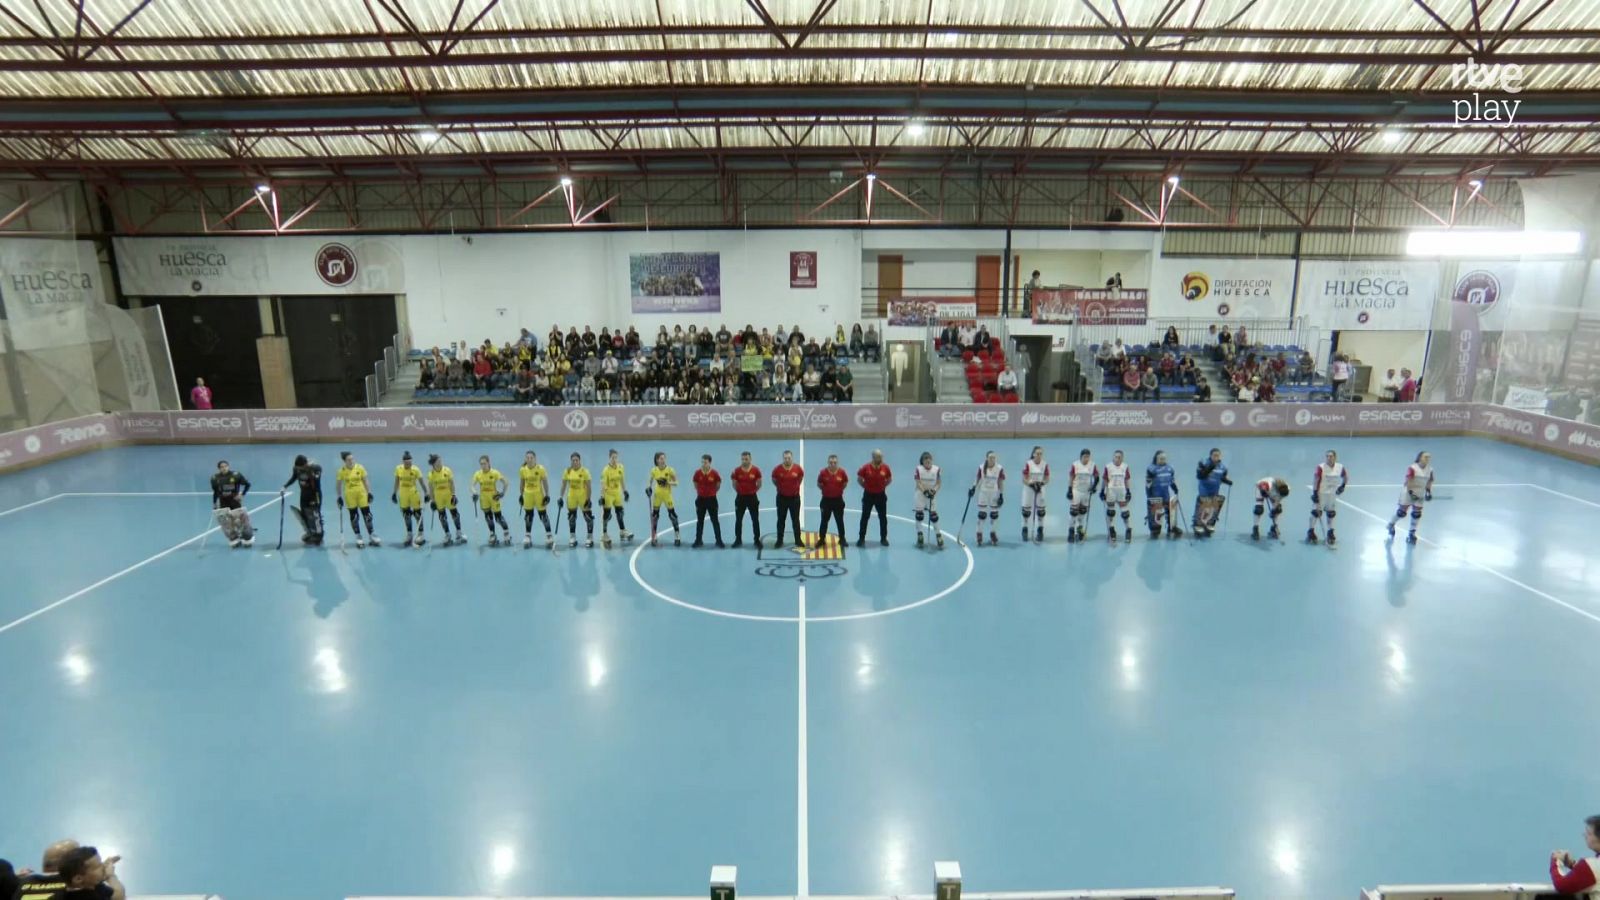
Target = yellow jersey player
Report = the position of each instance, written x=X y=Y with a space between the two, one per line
x=442 y=498
x=407 y=492
x=488 y=489
x=534 y=486
x=576 y=484
x=663 y=478
x=355 y=494
x=613 y=493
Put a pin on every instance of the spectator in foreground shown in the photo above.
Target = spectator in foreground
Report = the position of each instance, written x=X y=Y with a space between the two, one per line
x=200 y=395
x=1578 y=876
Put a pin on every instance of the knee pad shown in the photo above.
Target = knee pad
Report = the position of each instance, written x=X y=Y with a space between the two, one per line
x=919 y=516
x=1039 y=510
x=1317 y=514
x=933 y=516
x=1026 y=513
x=982 y=515
x=1416 y=512
x=1260 y=508
x=1332 y=513
x=1400 y=512
x=1125 y=516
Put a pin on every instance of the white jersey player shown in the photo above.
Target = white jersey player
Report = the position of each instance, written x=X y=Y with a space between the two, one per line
x=1270 y=492
x=927 y=480
x=990 y=489
x=1035 y=476
x=1327 y=483
x=1418 y=490
x=1082 y=484
x=1115 y=493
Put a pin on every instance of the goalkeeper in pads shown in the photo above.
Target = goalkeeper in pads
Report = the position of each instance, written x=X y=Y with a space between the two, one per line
x=1161 y=497
x=488 y=489
x=1210 y=475
x=228 y=490
x=308 y=474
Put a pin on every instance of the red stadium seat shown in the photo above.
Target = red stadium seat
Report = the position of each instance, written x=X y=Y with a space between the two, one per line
x=966 y=356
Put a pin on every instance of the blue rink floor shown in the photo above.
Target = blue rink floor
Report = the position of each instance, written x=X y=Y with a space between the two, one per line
x=1287 y=720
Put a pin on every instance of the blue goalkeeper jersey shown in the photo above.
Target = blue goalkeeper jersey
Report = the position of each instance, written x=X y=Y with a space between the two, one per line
x=1210 y=484
x=1161 y=482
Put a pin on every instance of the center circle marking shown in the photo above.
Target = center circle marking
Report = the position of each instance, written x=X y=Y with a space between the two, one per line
x=633 y=569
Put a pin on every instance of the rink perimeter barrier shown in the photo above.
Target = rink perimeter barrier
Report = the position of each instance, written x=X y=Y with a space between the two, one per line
x=45 y=443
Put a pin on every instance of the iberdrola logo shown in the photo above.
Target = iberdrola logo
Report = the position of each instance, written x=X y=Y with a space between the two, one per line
x=1196 y=285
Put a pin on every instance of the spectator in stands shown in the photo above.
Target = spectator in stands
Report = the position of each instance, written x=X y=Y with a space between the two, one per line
x=560 y=384
x=781 y=338
x=1188 y=372
x=523 y=392
x=1225 y=348
x=949 y=341
x=796 y=359
x=603 y=387
x=632 y=343
x=574 y=343
x=1339 y=374
x=1119 y=355
x=429 y=373
x=604 y=343
x=1149 y=385
x=717 y=362
x=966 y=336
x=1247 y=393
x=663 y=343
x=1103 y=356
x=455 y=377
x=871 y=346
x=591 y=365
x=705 y=344
x=830 y=383
x=1007 y=382
x=1241 y=339
x=1578 y=876
x=846 y=384
x=1306 y=368
x=481 y=370
x=1408 y=387
x=856 y=341
x=586 y=388
x=1389 y=388
x=610 y=365
x=1130 y=382
x=830 y=350
x=1170 y=340
x=1035 y=283
x=811 y=351
x=1265 y=392
x=1279 y=368
x=796 y=386
x=1202 y=391
x=725 y=340
x=1169 y=368
x=839 y=338
x=796 y=336
x=200 y=395
x=812 y=382
x=982 y=340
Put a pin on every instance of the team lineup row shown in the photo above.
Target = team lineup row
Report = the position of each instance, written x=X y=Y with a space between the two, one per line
x=1086 y=481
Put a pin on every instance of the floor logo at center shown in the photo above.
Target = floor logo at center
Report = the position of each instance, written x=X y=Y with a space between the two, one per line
x=818 y=557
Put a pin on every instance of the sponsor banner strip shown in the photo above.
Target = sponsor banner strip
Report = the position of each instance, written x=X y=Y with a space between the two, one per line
x=47 y=442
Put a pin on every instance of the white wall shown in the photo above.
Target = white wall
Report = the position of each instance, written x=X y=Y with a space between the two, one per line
x=1385 y=350
x=501 y=283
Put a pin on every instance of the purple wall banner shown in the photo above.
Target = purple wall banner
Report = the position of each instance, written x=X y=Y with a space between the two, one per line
x=46 y=442
x=675 y=282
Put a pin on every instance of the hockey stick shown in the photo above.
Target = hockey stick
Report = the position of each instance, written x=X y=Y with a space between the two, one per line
x=1227 y=507
x=281 y=506
x=964 y=510
x=341 y=527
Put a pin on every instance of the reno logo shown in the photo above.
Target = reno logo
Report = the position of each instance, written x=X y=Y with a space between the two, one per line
x=1121 y=417
x=1391 y=416
x=66 y=437
x=1499 y=421
x=1478 y=289
x=208 y=423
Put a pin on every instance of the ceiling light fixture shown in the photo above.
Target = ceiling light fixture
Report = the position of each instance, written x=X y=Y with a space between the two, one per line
x=428 y=136
x=916 y=128
x=1392 y=136
x=871 y=176
x=263 y=189
x=566 y=181
x=1172 y=180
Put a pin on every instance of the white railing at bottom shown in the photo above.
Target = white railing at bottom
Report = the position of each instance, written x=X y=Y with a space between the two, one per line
x=1512 y=891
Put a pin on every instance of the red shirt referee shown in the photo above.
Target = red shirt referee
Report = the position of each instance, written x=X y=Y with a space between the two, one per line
x=707 y=481
x=874 y=478
x=746 y=485
x=832 y=481
x=788 y=477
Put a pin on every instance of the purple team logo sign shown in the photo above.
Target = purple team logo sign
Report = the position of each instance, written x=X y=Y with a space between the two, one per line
x=1364 y=317
x=336 y=265
x=1478 y=289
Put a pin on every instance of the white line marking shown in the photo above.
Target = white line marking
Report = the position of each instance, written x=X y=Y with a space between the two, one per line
x=137 y=494
x=1481 y=567
x=31 y=505
x=1560 y=494
x=803 y=801
x=110 y=578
